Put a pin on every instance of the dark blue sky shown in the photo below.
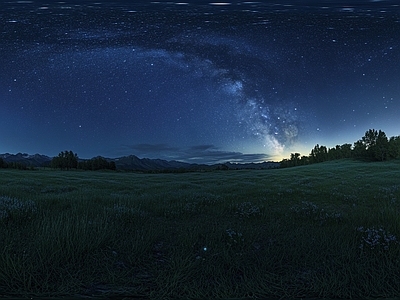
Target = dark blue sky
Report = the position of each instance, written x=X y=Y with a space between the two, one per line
x=197 y=81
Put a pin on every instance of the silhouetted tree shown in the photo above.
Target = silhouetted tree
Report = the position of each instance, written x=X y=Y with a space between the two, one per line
x=319 y=154
x=294 y=158
x=97 y=163
x=285 y=163
x=65 y=160
x=72 y=160
x=369 y=139
x=381 y=147
x=2 y=163
x=305 y=160
x=346 y=150
x=394 y=147
x=374 y=145
x=360 y=150
x=112 y=165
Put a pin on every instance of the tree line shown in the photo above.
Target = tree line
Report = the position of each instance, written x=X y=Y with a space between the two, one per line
x=14 y=165
x=97 y=163
x=67 y=160
x=373 y=146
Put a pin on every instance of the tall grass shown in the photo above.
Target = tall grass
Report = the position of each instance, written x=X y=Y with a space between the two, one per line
x=329 y=230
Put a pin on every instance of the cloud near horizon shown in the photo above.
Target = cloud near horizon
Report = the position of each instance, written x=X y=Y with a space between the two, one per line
x=201 y=154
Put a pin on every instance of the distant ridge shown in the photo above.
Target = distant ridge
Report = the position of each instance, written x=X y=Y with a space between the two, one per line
x=36 y=160
x=134 y=163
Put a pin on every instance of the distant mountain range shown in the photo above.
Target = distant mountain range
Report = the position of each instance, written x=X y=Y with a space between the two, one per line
x=36 y=160
x=135 y=163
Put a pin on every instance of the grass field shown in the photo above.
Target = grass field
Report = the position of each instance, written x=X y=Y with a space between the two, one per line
x=325 y=230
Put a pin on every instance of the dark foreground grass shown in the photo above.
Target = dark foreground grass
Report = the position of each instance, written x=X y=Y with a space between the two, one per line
x=326 y=230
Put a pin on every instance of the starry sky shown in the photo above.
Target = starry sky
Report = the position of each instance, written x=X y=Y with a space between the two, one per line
x=196 y=81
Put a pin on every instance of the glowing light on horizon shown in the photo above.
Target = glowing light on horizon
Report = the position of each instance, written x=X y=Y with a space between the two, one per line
x=220 y=3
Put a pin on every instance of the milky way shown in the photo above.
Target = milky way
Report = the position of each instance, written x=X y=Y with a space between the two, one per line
x=198 y=81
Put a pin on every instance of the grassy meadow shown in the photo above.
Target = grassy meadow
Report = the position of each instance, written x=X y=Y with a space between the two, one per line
x=327 y=230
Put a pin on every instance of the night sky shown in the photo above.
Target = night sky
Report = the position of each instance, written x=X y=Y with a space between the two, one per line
x=196 y=81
